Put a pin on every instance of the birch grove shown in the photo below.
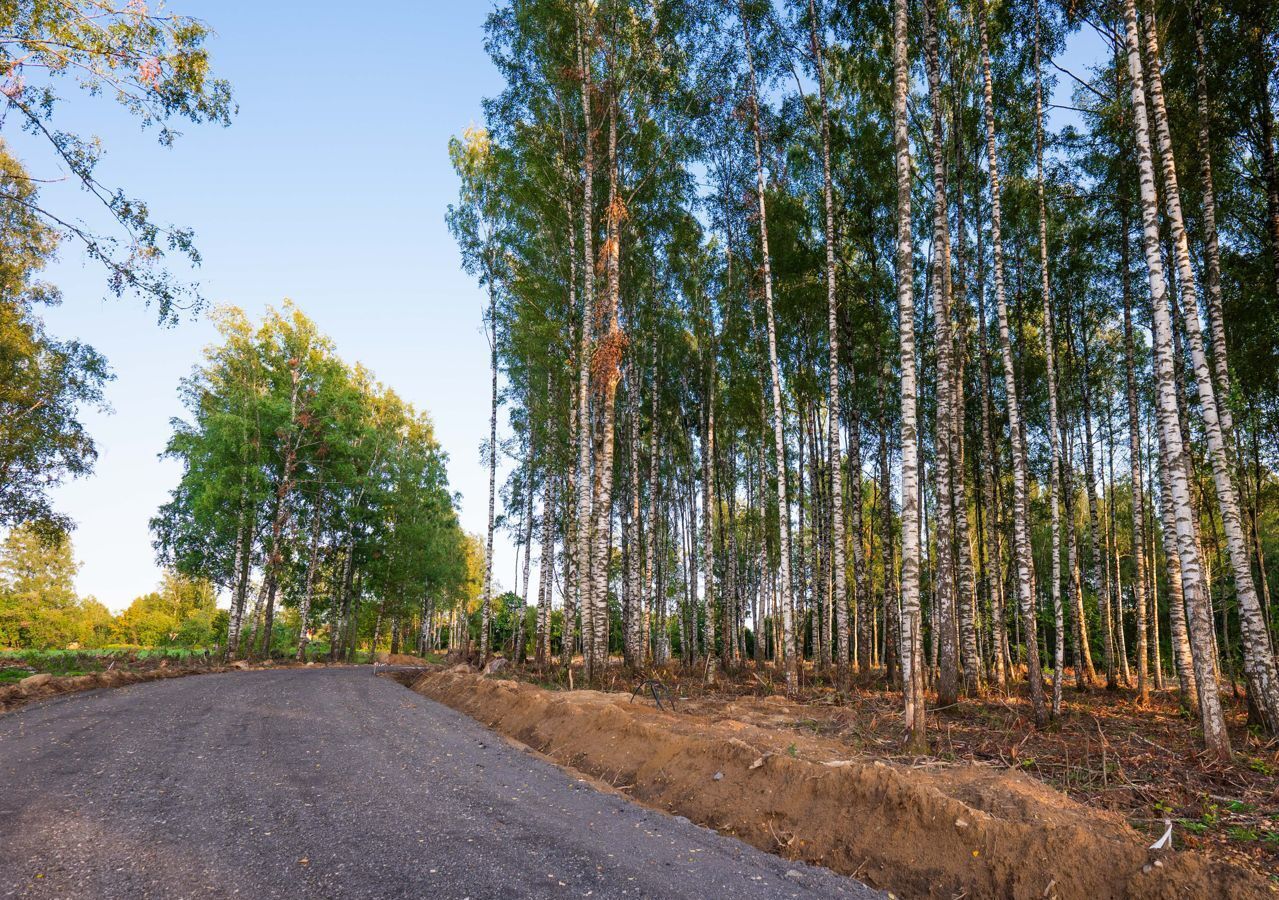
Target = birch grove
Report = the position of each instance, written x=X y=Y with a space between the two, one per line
x=889 y=349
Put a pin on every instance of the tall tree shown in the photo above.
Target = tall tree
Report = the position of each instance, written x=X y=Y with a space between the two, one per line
x=789 y=647
x=1170 y=442
x=1050 y=356
x=834 y=407
x=912 y=657
x=1021 y=527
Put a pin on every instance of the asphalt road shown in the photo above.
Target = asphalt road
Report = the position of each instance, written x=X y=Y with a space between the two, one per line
x=333 y=783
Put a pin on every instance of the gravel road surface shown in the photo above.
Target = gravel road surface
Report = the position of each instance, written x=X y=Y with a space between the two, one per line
x=330 y=783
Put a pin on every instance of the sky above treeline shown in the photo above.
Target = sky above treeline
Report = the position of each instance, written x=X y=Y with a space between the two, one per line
x=330 y=189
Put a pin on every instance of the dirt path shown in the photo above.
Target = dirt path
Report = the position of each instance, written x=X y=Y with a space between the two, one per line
x=334 y=783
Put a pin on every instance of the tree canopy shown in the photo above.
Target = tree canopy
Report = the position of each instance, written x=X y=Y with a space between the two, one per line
x=307 y=475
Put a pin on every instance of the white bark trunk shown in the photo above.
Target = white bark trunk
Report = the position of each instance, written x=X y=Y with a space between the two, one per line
x=912 y=656
x=1050 y=355
x=1021 y=527
x=779 y=440
x=1182 y=524
x=1259 y=662
x=582 y=487
x=835 y=412
x=944 y=621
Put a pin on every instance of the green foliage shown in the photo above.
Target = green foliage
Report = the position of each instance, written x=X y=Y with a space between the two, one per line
x=306 y=472
x=180 y=613
x=1240 y=833
x=39 y=608
x=44 y=382
x=154 y=64
x=38 y=604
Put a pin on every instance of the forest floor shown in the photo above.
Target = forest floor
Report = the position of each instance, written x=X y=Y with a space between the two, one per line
x=1125 y=772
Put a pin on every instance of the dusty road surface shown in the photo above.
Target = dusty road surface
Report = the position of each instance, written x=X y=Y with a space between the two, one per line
x=335 y=783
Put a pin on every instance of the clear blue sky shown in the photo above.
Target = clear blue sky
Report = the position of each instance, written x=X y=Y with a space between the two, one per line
x=329 y=188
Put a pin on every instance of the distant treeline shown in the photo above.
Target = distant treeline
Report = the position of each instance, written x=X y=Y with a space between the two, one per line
x=308 y=486
x=40 y=610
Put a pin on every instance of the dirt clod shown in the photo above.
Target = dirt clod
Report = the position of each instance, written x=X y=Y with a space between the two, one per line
x=31 y=682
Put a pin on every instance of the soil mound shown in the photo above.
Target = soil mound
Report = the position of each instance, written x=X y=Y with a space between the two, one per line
x=38 y=687
x=920 y=831
x=401 y=659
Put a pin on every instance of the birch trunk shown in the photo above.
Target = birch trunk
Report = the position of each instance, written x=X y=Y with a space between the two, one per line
x=1200 y=622
x=634 y=620
x=243 y=563
x=655 y=590
x=912 y=656
x=708 y=517
x=582 y=487
x=517 y=652
x=337 y=620
x=606 y=372
x=803 y=538
x=424 y=641
x=486 y=608
x=304 y=606
x=762 y=622
x=779 y=441
x=944 y=632
x=1151 y=521
x=542 y=651
x=992 y=550
x=835 y=411
x=1085 y=674
x=1050 y=356
x=730 y=617
x=1114 y=572
x=965 y=581
x=1178 y=632
x=377 y=630
x=891 y=596
x=1212 y=249
x=283 y=495
x=1021 y=527
x=1141 y=590
x=1257 y=26
x=865 y=643
x=255 y=617
x=1094 y=524
x=1259 y=662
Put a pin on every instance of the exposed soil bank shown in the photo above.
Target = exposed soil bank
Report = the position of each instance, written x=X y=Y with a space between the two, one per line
x=40 y=686
x=919 y=832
